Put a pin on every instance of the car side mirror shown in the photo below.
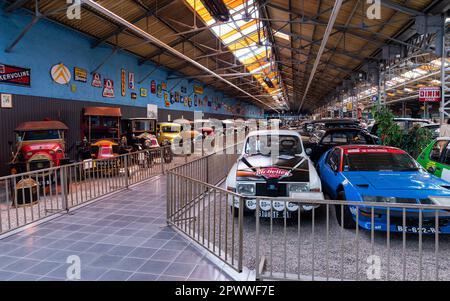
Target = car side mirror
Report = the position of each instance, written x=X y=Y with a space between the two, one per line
x=308 y=151
x=431 y=169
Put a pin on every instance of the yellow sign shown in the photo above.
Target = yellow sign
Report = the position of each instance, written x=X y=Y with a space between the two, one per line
x=198 y=90
x=60 y=74
x=80 y=75
x=349 y=106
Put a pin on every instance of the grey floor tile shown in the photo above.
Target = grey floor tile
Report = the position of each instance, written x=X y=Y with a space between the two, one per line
x=179 y=269
x=166 y=255
x=100 y=248
x=121 y=250
x=154 y=267
x=142 y=252
x=20 y=265
x=206 y=272
x=114 y=275
x=43 y=268
x=143 y=277
x=175 y=245
x=170 y=278
x=106 y=261
x=5 y=275
x=130 y=264
x=24 y=277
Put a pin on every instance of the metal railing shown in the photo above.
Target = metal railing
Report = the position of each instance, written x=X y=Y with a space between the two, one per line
x=407 y=245
x=198 y=207
x=29 y=197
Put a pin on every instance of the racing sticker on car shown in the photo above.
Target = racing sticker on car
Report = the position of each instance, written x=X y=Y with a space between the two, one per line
x=273 y=172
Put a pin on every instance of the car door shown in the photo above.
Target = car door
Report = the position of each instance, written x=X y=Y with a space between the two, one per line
x=329 y=172
x=435 y=158
x=327 y=142
x=443 y=168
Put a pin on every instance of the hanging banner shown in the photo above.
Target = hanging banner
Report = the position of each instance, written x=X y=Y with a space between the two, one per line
x=108 y=89
x=96 y=80
x=430 y=94
x=153 y=87
x=152 y=111
x=131 y=85
x=60 y=74
x=123 y=84
x=80 y=74
x=198 y=90
x=15 y=75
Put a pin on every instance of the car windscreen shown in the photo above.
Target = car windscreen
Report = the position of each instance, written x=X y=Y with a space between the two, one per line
x=143 y=125
x=286 y=145
x=379 y=162
x=170 y=129
x=40 y=135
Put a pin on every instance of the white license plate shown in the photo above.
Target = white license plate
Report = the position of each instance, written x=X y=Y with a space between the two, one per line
x=275 y=214
x=411 y=229
x=88 y=164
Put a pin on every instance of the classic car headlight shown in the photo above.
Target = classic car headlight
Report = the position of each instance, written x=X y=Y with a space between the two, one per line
x=265 y=205
x=298 y=187
x=251 y=204
x=278 y=205
x=292 y=206
x=379 y=199
x=247 y=189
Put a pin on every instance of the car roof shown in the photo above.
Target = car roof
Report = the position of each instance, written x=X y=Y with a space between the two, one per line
x=274 y=132
x=411 y=119
x=346 y=129
x=369 y=148
x=335 y=121
x=41 y=126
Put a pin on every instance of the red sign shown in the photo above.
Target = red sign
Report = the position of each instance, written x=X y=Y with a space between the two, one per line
x=273 y=172
x=108 y=89
x=96 y=80
x=15 y=75
x=153 y=87
x=430 y=94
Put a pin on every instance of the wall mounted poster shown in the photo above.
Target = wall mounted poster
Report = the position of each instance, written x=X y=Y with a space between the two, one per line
x=80 y=74
x=198 y=89
x=15 y=75
x=108 y=88
x=164 y=85
x=159 y=91
x=96 y=80
x=6 y=101
x=152 y=111
x=133 y=95
x=122 y=79
x=131 y=84
x=144 y=92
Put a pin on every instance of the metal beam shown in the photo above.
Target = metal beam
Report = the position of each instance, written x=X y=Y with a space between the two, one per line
x=401 y=8
x=145 y=35
x=15 y=5
x=334 y=14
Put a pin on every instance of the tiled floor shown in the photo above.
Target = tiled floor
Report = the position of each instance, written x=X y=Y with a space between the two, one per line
x=121 y=237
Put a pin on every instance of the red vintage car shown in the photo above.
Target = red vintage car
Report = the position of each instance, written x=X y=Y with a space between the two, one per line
x=39 y=145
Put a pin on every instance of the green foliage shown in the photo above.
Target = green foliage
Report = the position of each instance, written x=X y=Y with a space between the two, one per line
x=390 y=133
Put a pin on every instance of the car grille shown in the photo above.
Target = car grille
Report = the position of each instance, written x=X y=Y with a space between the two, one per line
x=414 y=222
x=39 y=164
x=265 y=189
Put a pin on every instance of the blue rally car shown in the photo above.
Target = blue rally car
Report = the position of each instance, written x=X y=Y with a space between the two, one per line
x=381 y=174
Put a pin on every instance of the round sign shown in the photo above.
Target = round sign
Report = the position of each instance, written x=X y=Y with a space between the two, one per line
x=61 y=74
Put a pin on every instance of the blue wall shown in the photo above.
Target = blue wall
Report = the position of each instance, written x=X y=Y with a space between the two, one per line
x=48 y=43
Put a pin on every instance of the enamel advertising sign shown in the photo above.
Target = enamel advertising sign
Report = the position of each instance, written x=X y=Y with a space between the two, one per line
x=60 y=74
x=153 y=87
x=123 y=85
x=131 y=84
x=96 y=80
x=15 y=75
x=108 y=89
x=430 y=94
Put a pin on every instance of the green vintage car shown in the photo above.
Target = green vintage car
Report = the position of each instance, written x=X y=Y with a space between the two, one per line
x=436 y=158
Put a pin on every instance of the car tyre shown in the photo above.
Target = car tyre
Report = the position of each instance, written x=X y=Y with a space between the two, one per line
x=348 y=222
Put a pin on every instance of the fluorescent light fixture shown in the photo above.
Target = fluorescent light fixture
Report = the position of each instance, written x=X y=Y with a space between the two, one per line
x=281 y=35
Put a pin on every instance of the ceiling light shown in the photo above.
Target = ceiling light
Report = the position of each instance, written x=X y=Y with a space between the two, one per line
x=281 y=35
x=217 y=9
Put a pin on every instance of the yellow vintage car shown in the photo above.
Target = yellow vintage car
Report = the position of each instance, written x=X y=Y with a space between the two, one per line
x=166 y=132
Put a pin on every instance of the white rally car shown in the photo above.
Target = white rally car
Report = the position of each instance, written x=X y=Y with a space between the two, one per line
x=274 y=164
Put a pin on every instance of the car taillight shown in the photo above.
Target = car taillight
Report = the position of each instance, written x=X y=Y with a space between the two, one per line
x=315 y=190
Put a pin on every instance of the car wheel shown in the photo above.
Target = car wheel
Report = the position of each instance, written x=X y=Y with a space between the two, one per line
x=348 y=222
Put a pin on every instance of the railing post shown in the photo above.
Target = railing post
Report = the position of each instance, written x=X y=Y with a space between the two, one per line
x=241 y=236
x=63 y=181
x=127 y=180
x=257 y=237
x=168 y=197
x=162 y=150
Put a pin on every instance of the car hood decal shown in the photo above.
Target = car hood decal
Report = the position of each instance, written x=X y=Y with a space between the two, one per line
x=282 y=168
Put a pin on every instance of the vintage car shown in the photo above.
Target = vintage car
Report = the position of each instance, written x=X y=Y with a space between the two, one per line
x=382 y=174
x=166 y=132
x=39 y=145
x=322 y=140
x=288 y=174
x=435 y=158
x=140 y=134
x=100 y=137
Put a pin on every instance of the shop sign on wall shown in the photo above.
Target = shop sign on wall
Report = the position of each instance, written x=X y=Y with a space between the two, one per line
x=15 y=75
x=198 y=90
x=6 y=101
x=61 y=74
x=96 y=80
x=122 y=78
x=131 y=84
x=80 y=74
x=108 y=89
x=430 y=94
